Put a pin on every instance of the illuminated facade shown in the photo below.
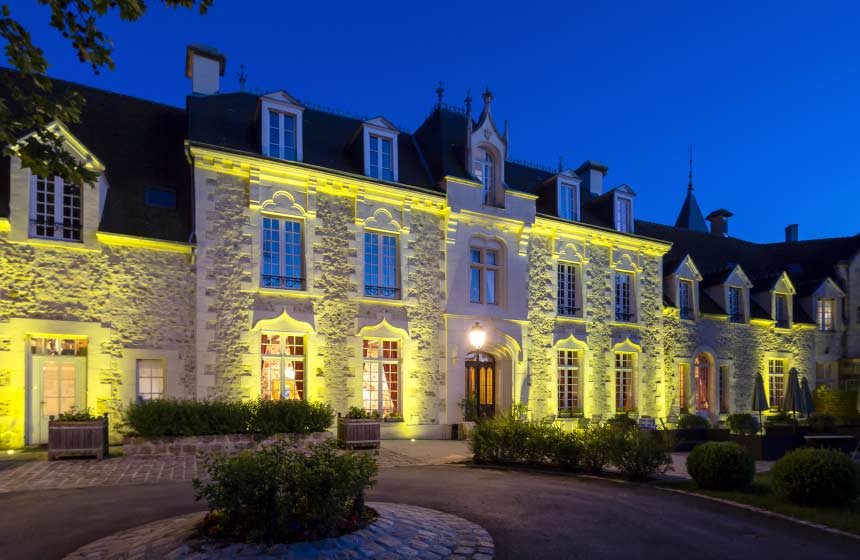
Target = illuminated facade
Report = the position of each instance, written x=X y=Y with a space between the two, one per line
x=275 y=250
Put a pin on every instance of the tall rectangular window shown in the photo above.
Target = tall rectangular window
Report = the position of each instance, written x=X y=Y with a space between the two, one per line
x=567 y=202
x=282 y=370
x=282 y=135
x=776 y=369
x=683 y=387
x=736 y=307
x=624 y=215
x=781 y=311
x=483 y=275
x=624 y=379
x=685 y=299
x=826 y=306
x=55 y=209
x=282 y=262
x=381 y=278
x=381 y=376
x=568 y=289
x=380 y=158
x=569 y=395
x=150 y=379
x=724 y=389
x=624 y=303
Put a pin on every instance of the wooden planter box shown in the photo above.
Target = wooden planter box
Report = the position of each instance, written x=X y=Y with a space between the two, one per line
x=78 y=439
x=356 y=432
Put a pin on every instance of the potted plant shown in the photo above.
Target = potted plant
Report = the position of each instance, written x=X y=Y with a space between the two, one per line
x=469 y=408
x=78 y=433
x=358 y=428
x=393 y=417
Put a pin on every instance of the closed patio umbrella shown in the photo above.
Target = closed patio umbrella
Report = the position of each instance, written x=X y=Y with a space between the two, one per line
x=809 y=402
x=792 y=399
x=759 y=402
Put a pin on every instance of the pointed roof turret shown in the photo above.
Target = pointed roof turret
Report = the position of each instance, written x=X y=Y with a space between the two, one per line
x=690 y=216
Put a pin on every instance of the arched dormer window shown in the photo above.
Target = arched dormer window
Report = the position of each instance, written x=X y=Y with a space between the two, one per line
x=485 y=172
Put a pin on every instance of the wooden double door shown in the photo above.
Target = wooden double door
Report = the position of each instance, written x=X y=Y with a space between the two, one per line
x=481 y=385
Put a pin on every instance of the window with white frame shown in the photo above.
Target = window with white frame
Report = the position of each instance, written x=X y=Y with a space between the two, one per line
x=381 y=376
x=381 y=277
x=776 y=370
x=569 y=392
x=485 y=172
x=623 y=214
x=567 y=205
x=282 y=368
x=283 y=135
x=780 y=312
x=381 y=158
x=625 y=371
x=55 y=209
x=685 y=298
x=484 y=271
x=625 y=306
x=826 y=308
x=150 y=379
x=282 y=262
x=736 y=305
x=568 y=289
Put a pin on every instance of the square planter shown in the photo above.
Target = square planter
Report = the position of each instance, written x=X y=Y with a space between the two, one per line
x=358 y=432
x=78 y=439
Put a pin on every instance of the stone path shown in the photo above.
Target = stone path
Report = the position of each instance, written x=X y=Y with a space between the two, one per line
x=402 y=531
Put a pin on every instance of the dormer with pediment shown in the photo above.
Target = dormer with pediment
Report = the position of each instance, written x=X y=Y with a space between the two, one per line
x=281 y=126
x=567 y=199
x=379 y=140
x=681 y=287
x=775 y=294
x=487 y=151
x=730 y=290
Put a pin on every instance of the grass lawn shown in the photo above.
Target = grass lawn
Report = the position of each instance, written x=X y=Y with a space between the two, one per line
x=760 y=495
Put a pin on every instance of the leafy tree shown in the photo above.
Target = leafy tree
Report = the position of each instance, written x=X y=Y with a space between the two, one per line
x=31 y=107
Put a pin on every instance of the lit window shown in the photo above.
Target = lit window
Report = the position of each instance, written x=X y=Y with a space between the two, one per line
x=685 y=299
x=484 y=272
x=381 y=376
x=485 y=171
x=380 y=158
x=282 y=372
x=624 y=376
x=702 y=378
x=776 y=369
x=567 y=201
x=623 y=215
x=624 y=304
x=736 y=308
x=568 y=289
x=724 y=389
x=683 y=390
x=569 y=395
x=781 y=311
x=826 y=307
x=380 y=265
x=282 y=254
x=282 y=135
x=55 y=209
x=150 y=379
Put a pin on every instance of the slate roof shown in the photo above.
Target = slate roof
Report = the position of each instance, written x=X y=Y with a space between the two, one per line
x=690 y=216
x=141 y=144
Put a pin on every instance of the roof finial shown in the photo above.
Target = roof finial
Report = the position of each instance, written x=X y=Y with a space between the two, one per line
x=560 y=164
x=468 y=102
x=690 y=181
x=242 y=77
x=488 y=96
x=440 y=91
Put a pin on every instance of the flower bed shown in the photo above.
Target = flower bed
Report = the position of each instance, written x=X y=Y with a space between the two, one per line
x=135 y=446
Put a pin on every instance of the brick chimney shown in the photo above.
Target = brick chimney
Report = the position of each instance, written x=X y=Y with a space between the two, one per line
x=720 y=222
x=205 y=66
x=592 y=173
x=791 y=233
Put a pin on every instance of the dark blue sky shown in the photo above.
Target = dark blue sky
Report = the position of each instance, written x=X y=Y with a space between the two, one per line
x=767 y=92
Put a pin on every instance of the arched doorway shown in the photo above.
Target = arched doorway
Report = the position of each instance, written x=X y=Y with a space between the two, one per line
x=703 y=370
x=480 y=386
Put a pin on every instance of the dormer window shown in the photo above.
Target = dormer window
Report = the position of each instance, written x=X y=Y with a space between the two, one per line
x=685 y=299
x=623 y=214
x=567 y=203
x=485 y=172
x=780 y=311
x=826 y=313
x=736 y=305
x=282 y=135
x=380 y=149
x=380 y=158
x=281 y=117
x=55 y=209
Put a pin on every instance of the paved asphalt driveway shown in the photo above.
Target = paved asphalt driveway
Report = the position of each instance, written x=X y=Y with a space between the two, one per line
x=529 y=516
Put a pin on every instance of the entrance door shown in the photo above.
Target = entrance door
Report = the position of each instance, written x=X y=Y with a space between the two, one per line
x=702 y=375
x=481 y=385
x=58 y=384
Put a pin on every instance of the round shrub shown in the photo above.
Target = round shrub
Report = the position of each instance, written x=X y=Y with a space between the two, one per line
x=816 y=477
x=693 y=422
x=721 y=466
x=743 y=423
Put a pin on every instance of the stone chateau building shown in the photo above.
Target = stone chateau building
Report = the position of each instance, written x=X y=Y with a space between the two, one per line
x=252 y=246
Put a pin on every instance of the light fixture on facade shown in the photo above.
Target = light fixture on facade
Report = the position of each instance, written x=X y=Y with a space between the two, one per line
x=477 y=336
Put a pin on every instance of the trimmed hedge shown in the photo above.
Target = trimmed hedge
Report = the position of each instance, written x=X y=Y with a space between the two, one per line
x=816 y=477
x=743 y=423
x=693 y=422
x=721 y=466
x=169 y=417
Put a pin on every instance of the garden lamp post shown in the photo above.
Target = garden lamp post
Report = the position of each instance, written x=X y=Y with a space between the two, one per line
x=477 y=338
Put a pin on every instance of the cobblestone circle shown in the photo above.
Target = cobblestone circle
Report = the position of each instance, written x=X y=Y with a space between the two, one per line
x=401 y=531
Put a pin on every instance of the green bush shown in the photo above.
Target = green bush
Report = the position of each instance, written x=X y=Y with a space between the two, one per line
x=743 y=423
x=169 y=417
x=73 y=415
x=504 y=439
x=597 y=443
x=282 y=494
x=639 y=454
x=693 y=422
x=622 y=421
x=822 y=423
x=567 y=451
x=816 y=477
x=721 y=466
